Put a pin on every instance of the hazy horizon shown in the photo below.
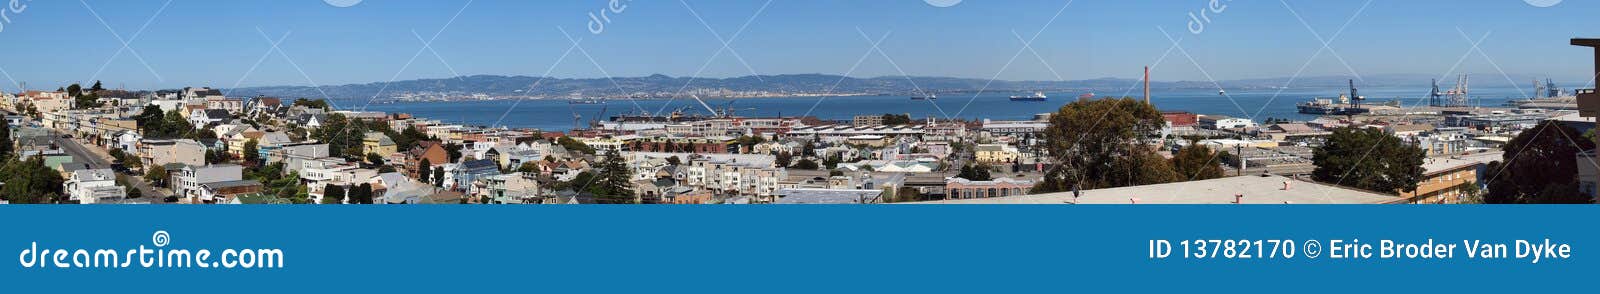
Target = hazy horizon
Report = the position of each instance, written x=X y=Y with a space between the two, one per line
x=230 y=44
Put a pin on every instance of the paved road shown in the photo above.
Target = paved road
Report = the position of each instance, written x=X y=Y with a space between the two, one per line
x=98 y=158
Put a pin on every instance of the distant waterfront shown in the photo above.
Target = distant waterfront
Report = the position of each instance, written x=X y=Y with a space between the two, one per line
x=556 y=115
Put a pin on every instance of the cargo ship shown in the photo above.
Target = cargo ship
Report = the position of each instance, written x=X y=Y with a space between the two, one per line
x=1036 y=97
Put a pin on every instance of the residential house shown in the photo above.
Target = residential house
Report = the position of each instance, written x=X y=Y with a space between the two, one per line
x=397 y=188
x=471 y=171
x=186 y=182
x=94 y=186
x=514 y=188
x=228 y=191
x=378 y=143
x=164 y=152
x=205 y=118
x=433 y=151
x=997 y=153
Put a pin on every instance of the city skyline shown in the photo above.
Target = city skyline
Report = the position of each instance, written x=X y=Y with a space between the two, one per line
x=301 y=43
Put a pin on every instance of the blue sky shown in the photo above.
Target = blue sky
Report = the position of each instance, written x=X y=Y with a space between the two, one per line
x=216 y=43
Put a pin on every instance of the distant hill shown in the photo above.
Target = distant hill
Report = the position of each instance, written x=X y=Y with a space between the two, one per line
x=664 y=86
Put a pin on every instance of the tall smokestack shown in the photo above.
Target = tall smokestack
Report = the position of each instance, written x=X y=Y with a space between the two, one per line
x=1146 y=85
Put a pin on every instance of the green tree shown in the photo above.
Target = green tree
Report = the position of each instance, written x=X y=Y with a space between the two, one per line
x=1197 y=162
x=361 y=194
x=614 y=184
x=573 y=145
x=807 y=164
x=375 y=159
x=783 y=159
x=674 y=160
x=896 y=119
x=1540 y=167
x=438 y=177
x=976 y=173
x=333 y=194
x=156 y=175
x=252 y=152
x=30 y=182
x=7 y=147
x=1369 y=159
x=317 y=104
x=1103 y=144
x=423 y=170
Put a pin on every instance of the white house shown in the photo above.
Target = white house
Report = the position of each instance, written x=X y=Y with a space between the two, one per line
x=1219 y=122
x=94 y=186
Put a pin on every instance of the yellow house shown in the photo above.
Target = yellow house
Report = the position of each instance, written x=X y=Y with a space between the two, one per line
x=377 y=143
x=997 y=153
x=1444 y=181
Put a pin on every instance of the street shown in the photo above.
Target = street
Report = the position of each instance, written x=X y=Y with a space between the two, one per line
x=98 y=158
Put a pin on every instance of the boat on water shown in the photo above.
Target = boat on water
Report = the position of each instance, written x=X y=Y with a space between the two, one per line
x=1222 y=92
x=586 y=101
x=929 y=96
x=1036 y=97
x=1347 y=104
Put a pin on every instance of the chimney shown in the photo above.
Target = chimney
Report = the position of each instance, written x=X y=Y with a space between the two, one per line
x=1146 y=85
x=1238 y=198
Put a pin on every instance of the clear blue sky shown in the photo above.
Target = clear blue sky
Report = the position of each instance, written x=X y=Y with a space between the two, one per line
x=215 y=43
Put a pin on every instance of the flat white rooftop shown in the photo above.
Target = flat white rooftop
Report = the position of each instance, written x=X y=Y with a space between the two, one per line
x=1256 y=190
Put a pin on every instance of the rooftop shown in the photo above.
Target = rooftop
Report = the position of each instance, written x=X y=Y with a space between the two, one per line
x=1256 y=190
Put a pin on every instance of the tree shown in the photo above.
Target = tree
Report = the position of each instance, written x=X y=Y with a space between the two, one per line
x=674 y=160
x=573 y=145
x=6 y=145
x=361 y=194
x=423 y=169
x=784 y=159
x=97 y=87
x=615 y=182
x=374 y=159
x=1369 y=159
x=453 y=151
x=317 y=104
x=438 y=176
x=807 y=164
x=1103 y=144
x=896 y=119
x=1540 y=167
x=211 y=157
x=30 y=182
x=1197 y=162
x=333 y=194
x=975 y=173
x=252 y=152
x=156 y=175
x=74 y=91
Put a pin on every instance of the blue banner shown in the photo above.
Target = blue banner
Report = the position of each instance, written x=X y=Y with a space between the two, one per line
x=796 y=249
